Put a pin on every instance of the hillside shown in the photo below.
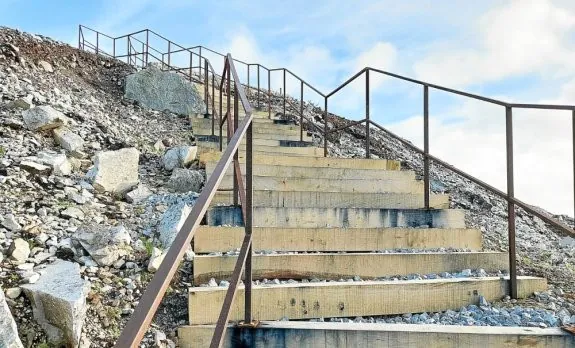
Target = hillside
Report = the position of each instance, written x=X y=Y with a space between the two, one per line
x=51 y=207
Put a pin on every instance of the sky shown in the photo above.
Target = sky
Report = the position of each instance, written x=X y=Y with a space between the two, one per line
x=512 y=50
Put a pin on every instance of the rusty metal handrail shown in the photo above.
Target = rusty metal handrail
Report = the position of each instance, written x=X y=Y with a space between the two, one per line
x=509 y=196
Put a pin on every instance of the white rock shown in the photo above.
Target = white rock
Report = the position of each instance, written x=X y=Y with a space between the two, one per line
x=35 y=168
x=115 y=171
x=8 y=331
x=104 y=243
x=73 y=212
x=46 y=66
x=139 y=194
x=58 y=161
x=171 y=222
x=59 y=302
x=179 y=156
x=10 y=223
x=155 y=260
x=68 y=140
x=43 y=118
x=19 y=250
x=13 y=293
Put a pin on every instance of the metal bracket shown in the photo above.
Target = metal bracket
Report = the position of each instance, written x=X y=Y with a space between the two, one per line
x=251 y=325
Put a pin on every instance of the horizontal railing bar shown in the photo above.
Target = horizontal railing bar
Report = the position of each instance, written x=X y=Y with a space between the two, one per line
x=351 y=124
x=305 y=83
x=543 y=106
x=348 y=81
x=95 y=31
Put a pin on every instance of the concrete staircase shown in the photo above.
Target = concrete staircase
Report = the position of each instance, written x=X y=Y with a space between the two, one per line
x=325 y=219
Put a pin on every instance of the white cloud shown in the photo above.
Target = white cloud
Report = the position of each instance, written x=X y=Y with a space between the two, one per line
x=519 y=38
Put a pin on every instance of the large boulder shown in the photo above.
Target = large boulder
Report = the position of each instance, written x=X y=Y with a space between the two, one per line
x=160 y=90
x=179 y=157
x=104 y=243
x=43 y=118
x=171 y=222
x=186 y=180
x=8 y=330
x=59 y=302
x=115 y=171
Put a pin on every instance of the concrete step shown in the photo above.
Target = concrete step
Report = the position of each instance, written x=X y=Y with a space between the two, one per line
x=339 y=217
x=335 y=266
x=221 y=239
x=305 y=334
x=202 y=123
x=257 y=141
x=256 y=135
x=204 y=147
x=256 y=130
x=320 y=172
x=202 y=119
x=316 y=162
x=284 y=183
x=321 y=199
x=351 y=299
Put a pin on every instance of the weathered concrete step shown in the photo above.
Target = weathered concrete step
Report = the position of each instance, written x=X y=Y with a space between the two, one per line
x=339 y=217
x=305 y=334
x=279 y=130
x=202 y=119
x=203 y=123
x=351 y=299
x=285 y=183
x=321 y=172
x=318 y=162
x=261 y=135
x=204 y=147
x=221 y=239
x=320 y=199
x=336 y=265
x=257 y=141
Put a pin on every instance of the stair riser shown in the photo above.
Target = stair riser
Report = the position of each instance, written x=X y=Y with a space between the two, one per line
x=323 y=162
x=336 y=266
x=257 y=136
x=320 y=173
x=261 y=125
x=326 y=300
x=204 y=139
x=201 y=119
x=256 y=130
x=339 y=217
x=321 y=199
x=293 y=151
x=220 y=239
x=329 y=185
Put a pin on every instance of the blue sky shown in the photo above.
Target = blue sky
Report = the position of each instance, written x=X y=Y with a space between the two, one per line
x=511 y=49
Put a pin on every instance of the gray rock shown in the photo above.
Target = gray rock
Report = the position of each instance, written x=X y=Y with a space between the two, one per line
x=73 y=212
x=161 y=91
x=567 y=242
x=43 y=118
x=179 y=157
x=104 y=243
x=10 y=223
x=13 y=293
x=115 y=171
x=19 y=250
x=67 y=139
x=46 y=66
x=35 y=168
x=59 y=302
x=186 y=180
x=8 y=330
x=155 y=260
x=139 y=194
x=58 y=161
x=171 y=222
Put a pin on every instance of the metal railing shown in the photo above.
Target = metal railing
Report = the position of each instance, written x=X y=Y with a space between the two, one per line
x=262 y=95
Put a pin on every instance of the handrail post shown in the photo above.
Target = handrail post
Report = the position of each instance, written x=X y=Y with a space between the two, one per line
x=129 y=51
x=80 y=37
x=213 y=101
x=114 y=47
x=269 y=94
x=258 y=86
x=191 y=64
x=248 y=85
x=325 y=130
x=284 y=92
x=143 y=54
x=236 y=155
x=200 y=59
x=248 y=224
x=97 y=43
x=426 y=187
x=147 y=45
x=301 y=112
x=367 y=122
x=169 y=54
x=510 y=204
x=221 y=109
x=206 y=91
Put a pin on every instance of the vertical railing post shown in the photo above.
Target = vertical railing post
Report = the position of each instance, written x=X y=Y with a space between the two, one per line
x=206 y=91
x=97 y=43
x=143 y=55
x=170 y=53
x=236 y=154
x=284 y=92
x=248 y=85
x=128 y=51
x=269 y=94
x=80 y=37
x=221 y=110
x=325 y=130
x=301 y=112
x=367 y=121
x=200 y=58
x=213 y=101
x=426 y=187
x=248 y=224
x=510 y=204
x=114 y=47
x=573 y=149
x=191 y=64
x=147 y=46
x=258 y=86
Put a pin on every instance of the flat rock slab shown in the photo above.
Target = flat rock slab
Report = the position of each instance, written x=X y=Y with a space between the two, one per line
x=8 y=330
x=43 y=118
x=59 y=302
x=159 y=90
x=105 y=244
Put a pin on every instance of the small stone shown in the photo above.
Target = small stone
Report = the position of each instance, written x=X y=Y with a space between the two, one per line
x=483 y=302
x=19 y=251
x=179 y=157
x=171 y=222
x=13 y=293
x=46 y=66
x=10 y=223
x=186 y=180
x=73 y=212
x=139 y=194
x=155 y=260
x=58 y=161
x=104 y=243
x=35 y=168
x=189 y=255
x=212 y=282
x=43 y=118
x=68 y=140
